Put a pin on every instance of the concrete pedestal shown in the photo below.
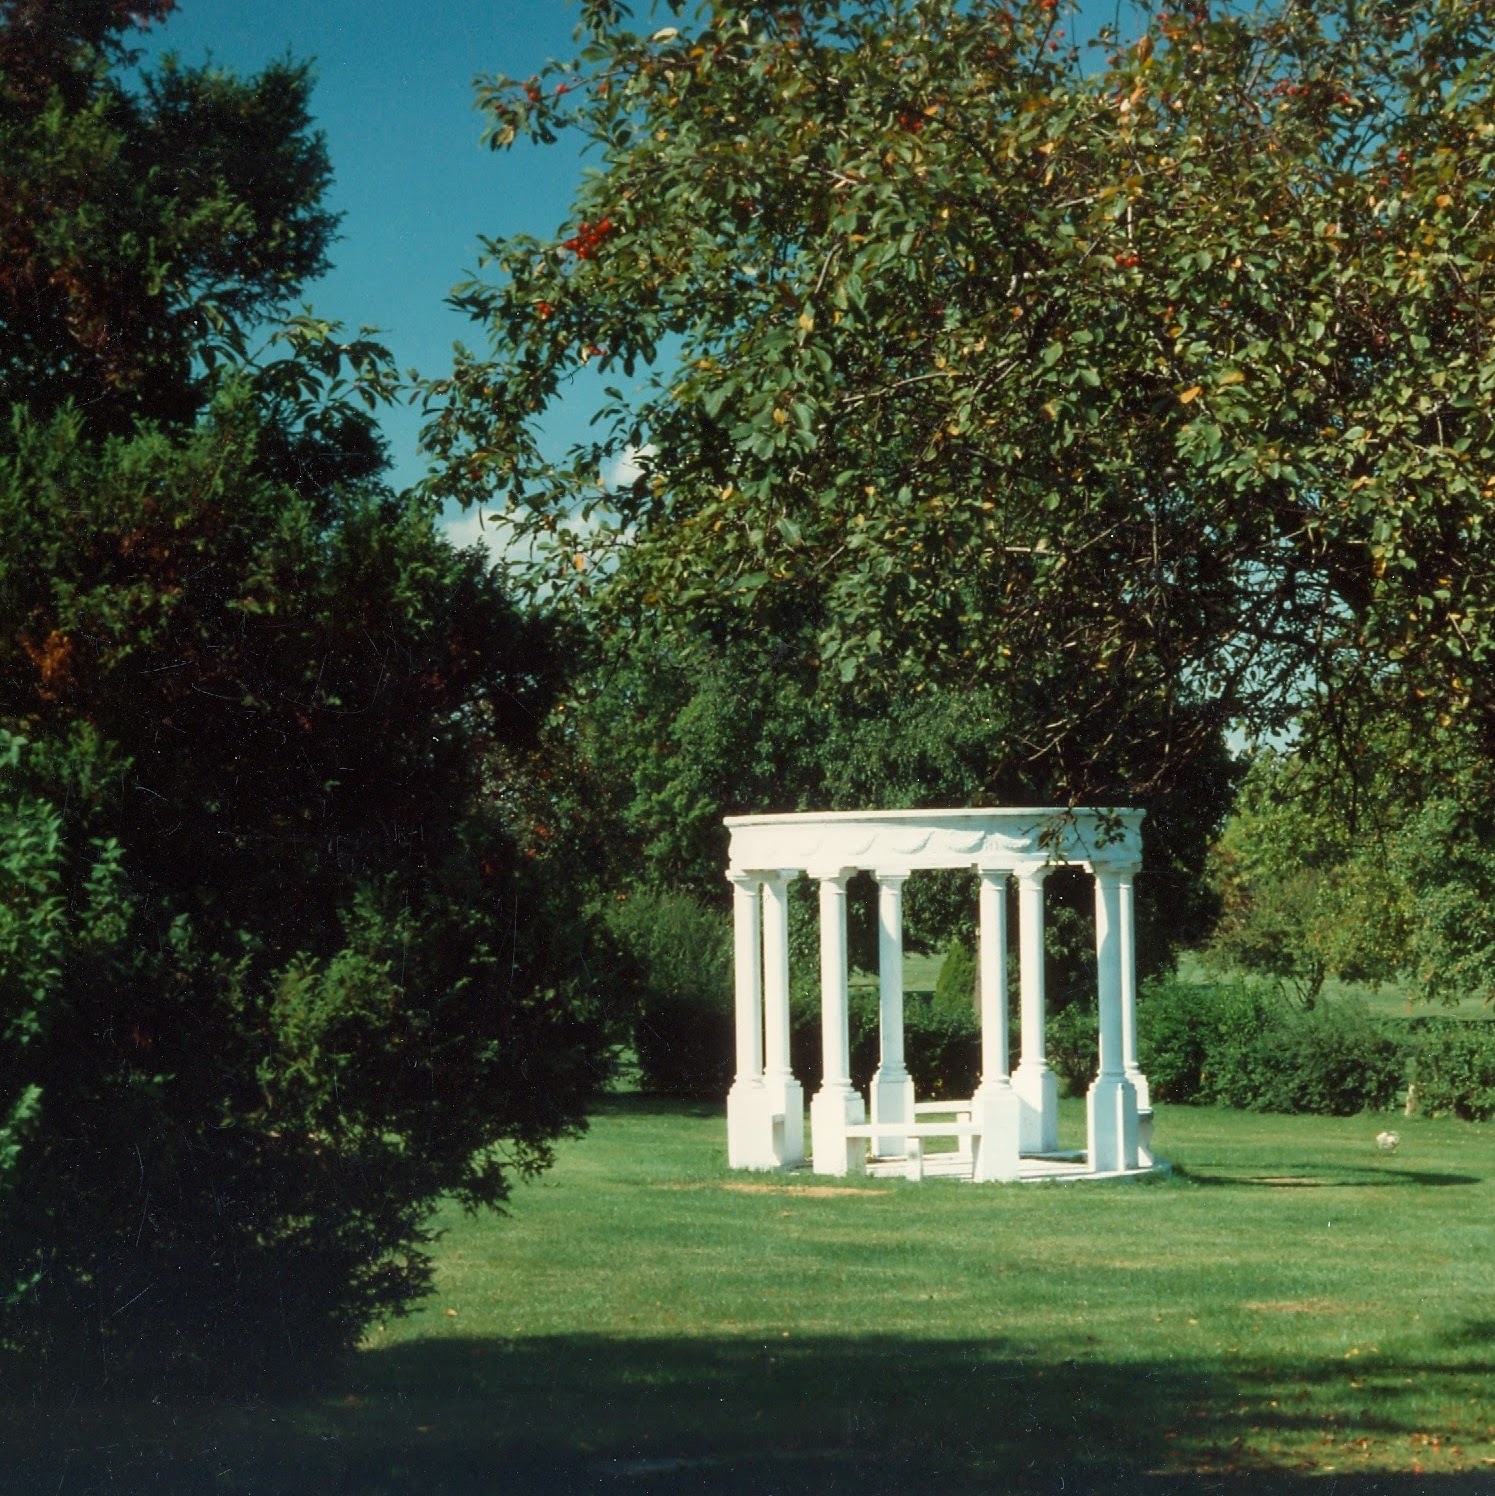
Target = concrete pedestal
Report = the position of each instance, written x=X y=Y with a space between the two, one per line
x=1037 y=1089
x=831 y=1113
x=892 y=1104
x=996 y=1110
x=1111 y=1124
x=750 y=1133
x=786 y=1114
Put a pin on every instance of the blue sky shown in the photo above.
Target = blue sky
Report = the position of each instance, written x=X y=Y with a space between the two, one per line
x=416 y=189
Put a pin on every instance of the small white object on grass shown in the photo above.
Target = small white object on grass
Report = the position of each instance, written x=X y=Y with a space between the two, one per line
x=1387 y=1141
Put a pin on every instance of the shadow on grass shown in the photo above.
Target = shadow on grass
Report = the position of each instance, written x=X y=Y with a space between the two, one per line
x=1330 y=1176
x=696 y=1417
x=1473 y=1332
x=653 y=1104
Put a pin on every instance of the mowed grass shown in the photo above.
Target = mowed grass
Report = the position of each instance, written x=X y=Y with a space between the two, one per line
x=1291 y=1305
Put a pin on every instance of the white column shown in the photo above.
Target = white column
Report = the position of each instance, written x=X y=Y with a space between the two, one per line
x=1129 y=1018
x=749 y=1133
x=1129 y=991
x=995 y=1108
x=892 y=1089
x=1111 y=1111
x=786 y=1098
x=1036 y=1085
x=835 y=1104
x=992 y=966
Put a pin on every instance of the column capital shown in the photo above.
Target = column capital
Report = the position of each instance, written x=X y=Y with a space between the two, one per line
x=997 y=872
x=739 y=878
x=779 y=877
x=891 y=877
x=1115 y=869
x=1033 y=872
x=831 y=874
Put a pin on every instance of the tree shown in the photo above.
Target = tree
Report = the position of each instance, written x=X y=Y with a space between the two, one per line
x=677 y=736
x=1395 y=879
x=1166 y=373
x=145 y=230
x=275 y=971
x=1306 y=890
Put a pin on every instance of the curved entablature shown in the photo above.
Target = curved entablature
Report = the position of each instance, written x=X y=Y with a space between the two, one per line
x=996 y=839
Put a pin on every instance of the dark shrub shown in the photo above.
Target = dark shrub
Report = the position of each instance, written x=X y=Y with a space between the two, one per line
x=274 y=977
x=678 y=955
x=1186 y=1030
x=941 y=1045
x=1453 y=1067
x=1334 y=1059
x=1241 y=1045
x=956 y=983
x=1072 y=1046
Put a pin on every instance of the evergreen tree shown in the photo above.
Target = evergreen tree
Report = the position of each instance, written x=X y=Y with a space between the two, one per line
x=274 y=973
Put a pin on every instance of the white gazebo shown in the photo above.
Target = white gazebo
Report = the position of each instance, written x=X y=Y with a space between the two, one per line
x=1009 y=1129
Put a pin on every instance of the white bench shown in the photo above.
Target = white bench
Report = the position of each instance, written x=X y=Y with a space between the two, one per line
x=960 y=1110
x=914 y=1133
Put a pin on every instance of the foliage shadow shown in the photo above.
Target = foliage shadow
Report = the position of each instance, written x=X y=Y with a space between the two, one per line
x=1328 y=1176
x=712 y=1414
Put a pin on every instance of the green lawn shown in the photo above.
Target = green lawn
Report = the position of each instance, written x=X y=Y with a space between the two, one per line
x=921 y=970
x=1291 y=1305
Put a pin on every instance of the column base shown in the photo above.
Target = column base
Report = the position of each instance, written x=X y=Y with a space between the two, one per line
x=996 y=1110
x=892 y=1103
x=1145 y=1160
x=1140 y=1086
x=786 y=1108
x=1111 y=1124
x=1037 y=1089
x=832 y=1110
x=749 y=1127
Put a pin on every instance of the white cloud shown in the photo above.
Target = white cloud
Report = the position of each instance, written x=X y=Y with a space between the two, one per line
x=495 y=533
x=469 y=527
x=626 y=467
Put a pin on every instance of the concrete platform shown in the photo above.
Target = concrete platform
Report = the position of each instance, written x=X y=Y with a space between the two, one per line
x=1062 y=1167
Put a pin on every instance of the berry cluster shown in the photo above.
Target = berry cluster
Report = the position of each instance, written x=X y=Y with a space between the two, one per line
x=588 y=236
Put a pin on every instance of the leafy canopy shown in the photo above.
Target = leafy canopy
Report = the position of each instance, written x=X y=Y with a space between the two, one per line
x=1162 y=365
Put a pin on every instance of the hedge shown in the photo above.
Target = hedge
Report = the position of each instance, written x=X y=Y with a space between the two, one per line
x=1453 y=1067
x=1234 y=1043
